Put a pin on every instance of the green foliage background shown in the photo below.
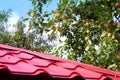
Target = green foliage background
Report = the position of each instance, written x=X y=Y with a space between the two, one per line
x=83 y=23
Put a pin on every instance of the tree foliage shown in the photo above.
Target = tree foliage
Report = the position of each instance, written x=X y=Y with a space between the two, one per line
x=27 y=39
x=91 y=28
x=4 y=36
x=4 y=15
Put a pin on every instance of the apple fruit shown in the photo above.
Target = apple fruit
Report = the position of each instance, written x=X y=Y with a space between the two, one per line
x=117 y=4
x=114 y=23
x=56 y=14
x=33 y=14
x=109 y=34
x=88 y=31
x=107 y=25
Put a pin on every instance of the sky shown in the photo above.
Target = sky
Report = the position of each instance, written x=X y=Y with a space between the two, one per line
x=21 y=7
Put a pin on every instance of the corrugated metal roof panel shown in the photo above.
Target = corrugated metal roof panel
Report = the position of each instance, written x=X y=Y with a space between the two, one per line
x=24 y=62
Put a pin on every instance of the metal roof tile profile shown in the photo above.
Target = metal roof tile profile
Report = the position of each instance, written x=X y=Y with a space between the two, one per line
x=21 y=64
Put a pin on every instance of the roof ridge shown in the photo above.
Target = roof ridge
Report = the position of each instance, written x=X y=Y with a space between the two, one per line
x=95 y=68
x=37 y=54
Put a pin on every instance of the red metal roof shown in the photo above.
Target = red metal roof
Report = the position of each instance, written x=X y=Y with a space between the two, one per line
x=25 y=62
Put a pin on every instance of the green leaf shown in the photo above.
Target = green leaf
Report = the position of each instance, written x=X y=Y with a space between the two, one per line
x=25 y=19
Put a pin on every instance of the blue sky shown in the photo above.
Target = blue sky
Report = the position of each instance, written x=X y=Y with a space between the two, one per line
x=21 y=7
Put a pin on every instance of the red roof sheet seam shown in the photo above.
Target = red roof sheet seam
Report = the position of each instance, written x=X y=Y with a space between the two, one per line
x=53 y=63
x=102 y=72
x=96 y=69
x=36 y=72
x=42 y=57
x=6 y=54
x=31 y=52
x=32 y=55
x=2 y=67
x=105 y=76
x=15 y=62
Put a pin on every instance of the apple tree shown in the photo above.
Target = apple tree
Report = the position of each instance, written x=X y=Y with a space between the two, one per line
x=91 y=28
x=4 y=35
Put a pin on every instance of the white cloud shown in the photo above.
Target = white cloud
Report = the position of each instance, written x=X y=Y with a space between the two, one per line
x=12 y=21
x=27 y=26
